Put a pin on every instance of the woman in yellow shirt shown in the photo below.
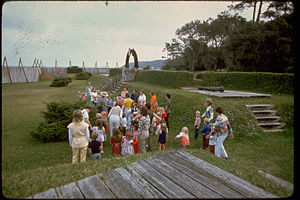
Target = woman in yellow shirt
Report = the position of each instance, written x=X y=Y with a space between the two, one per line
x=127 y=110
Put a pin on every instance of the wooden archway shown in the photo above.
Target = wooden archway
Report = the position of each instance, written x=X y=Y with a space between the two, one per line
x=136 y=62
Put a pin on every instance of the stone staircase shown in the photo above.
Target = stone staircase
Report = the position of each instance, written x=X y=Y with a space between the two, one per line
x=112 y=87
x=266 y=117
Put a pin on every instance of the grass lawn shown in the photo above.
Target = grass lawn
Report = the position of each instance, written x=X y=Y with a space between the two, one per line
x=29 y=166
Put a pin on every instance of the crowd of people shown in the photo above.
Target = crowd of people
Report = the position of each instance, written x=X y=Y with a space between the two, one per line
x=133 y=122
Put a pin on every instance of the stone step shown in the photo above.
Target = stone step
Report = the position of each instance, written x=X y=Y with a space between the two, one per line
x=260 y=106
x=264 y=112
x=271 y=125
x=272 y=130
x=273 y=118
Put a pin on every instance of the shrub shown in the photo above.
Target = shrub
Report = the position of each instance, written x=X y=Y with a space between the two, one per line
x=166 y=78
x=56 y=118
x=61 y=81
x=74 y=70
x=83 y=76
x=258 y=81
x=115 y=71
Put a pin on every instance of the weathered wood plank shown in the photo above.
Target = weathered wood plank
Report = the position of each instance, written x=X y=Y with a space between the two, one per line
x=119 y=186
x=69 y=191
x=49 y=194
x=93 y=187
x=163 y=184
x=186 y=182
x=141 y=186
x=200 y=176
x=247 y=189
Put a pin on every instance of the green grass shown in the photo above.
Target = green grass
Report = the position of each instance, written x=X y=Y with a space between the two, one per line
x=29 y=166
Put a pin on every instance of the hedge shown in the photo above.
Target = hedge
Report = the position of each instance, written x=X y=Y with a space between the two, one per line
x=115 y=71
x=166 y=78
x=83 y=76
x=61 y=81
x=256 y=81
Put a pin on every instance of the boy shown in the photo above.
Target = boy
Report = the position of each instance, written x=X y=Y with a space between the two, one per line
x=197 y=124
x=206 y=129
x=94 y=147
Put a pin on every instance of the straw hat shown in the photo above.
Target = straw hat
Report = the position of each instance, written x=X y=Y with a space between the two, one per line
x=104 y=94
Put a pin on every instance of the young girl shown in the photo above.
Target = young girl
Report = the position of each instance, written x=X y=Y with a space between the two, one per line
x=197 y=124
x=79 y=95
x=116 y=140
x=127 y=147
x=184 y=137
x=83 y=97
x=100 y=130
x=135 y=141
x=163 y=135
x=157 y=119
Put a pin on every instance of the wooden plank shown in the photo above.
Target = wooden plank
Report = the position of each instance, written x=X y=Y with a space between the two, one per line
x=69 y=191
x=155 y=192
x=139 y=184
x=163 y=184
x=119 y=186
x=281 y=182
x=49 y=194
x=247 y=189
x=93 y=187
x=200 y=176
x=186 y=182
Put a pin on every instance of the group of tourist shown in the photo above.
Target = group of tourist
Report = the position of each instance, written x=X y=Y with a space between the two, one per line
x=132 y=122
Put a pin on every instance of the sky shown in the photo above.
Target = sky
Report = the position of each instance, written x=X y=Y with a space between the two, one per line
x=90 y=31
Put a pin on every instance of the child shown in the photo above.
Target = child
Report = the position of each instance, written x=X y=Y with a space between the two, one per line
x=110 y=103
x=127 y=147
x=163 y=135
x=209 y=112
x=98 y=116
x=184 y=137
x=163 y=113
x=100 y=130
x=212 y=141
x=94 y=147
x=157 y=119
x=197 y=124
x=79 y=95
x=206 y=129
x=135 y=141
x=116 y=140
x=123 y=124
x=83 y=97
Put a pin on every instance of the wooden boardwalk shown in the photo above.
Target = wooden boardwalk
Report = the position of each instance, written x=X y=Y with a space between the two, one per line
x=175 y=174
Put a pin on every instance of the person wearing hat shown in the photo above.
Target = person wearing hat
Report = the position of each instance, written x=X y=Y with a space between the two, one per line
x=101 y=101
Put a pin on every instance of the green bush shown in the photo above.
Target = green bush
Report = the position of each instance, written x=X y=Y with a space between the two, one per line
x=257 y=81
x=56 y=118
x=74 y=70
x=115 y=71
x=166 y=78
x=61 y=82
x=83 y=76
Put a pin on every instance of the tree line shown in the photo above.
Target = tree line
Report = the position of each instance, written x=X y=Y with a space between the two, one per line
x=230 y=42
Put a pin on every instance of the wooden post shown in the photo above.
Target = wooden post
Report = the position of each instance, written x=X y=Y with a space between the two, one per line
x=106 y=65
x=56 y=69
x=83 y=66
x=5 y=62
x=117 y=65
x=20 y=63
